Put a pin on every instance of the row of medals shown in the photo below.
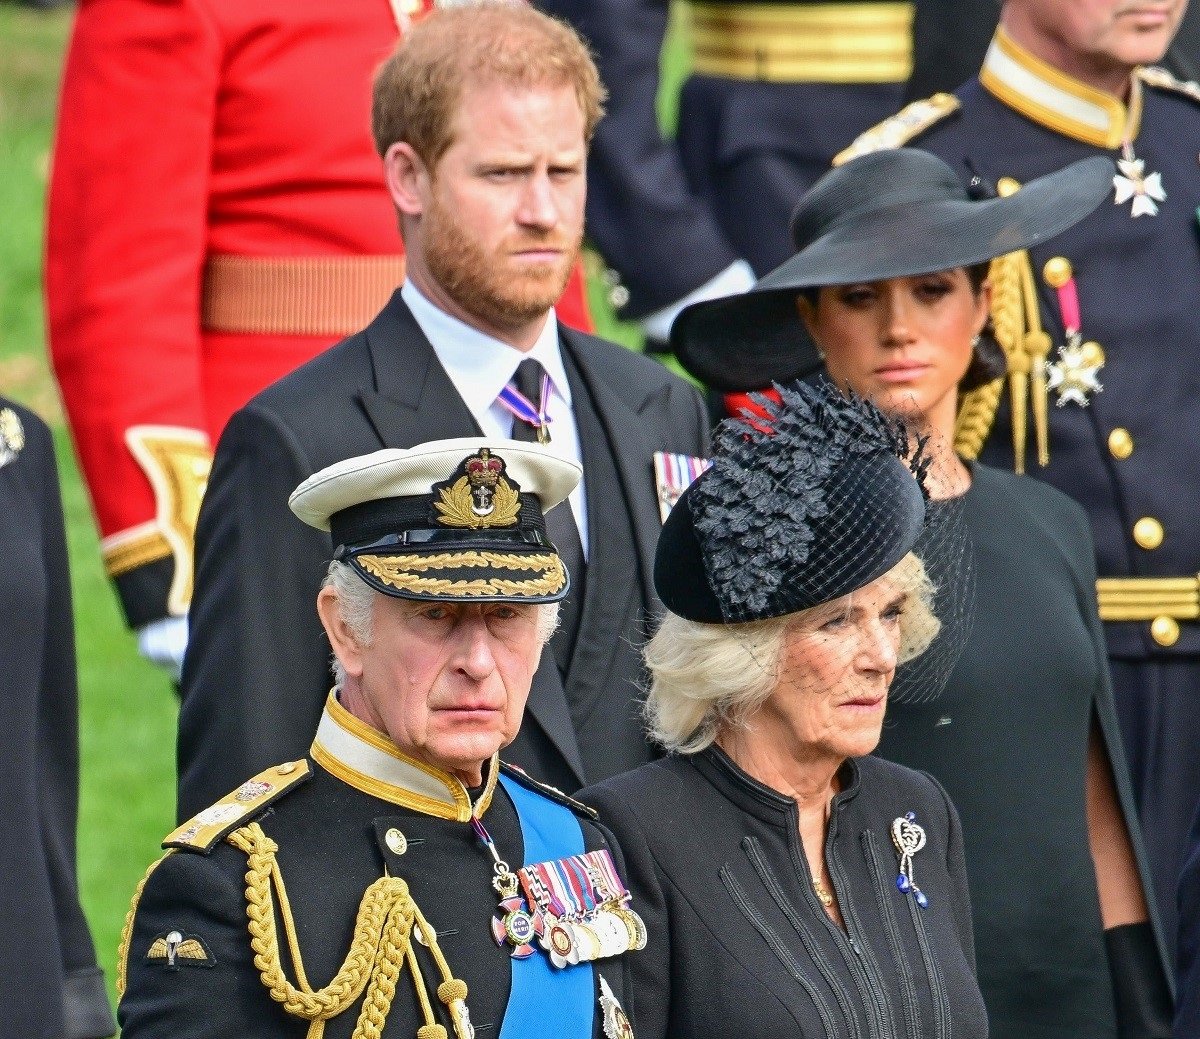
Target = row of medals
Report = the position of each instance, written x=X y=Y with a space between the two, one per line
x=610 y=929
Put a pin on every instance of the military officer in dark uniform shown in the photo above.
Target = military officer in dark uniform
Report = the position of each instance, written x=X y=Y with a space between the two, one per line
x=398 y=880
x=776 y=88
x=1099 y=325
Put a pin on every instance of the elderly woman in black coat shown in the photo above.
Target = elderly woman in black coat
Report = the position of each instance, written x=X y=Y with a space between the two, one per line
x=791 y=884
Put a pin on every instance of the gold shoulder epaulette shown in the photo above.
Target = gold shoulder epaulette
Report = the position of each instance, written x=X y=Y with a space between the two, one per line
x=897 y=130
x=1156 y=76
x=546 y=790
x=203 y=831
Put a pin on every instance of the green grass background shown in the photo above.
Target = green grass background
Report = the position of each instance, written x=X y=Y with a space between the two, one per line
x=128 y=710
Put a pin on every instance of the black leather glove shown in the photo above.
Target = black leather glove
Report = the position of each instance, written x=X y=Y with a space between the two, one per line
x=1144 y=1005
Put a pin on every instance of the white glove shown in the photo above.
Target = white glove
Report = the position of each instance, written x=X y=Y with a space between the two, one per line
x=163 y=642
x=735 y=278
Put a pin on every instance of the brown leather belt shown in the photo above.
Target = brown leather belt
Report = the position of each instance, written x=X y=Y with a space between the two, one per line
x=298 y=296
x=803 y=43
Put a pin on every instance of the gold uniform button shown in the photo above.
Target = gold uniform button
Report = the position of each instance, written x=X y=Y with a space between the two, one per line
x=1006 y=186
x=287 y=768
x=1148 y=533
x=1057 y=271
x=1120 y=443
x=1164 y=631
x=396 y=841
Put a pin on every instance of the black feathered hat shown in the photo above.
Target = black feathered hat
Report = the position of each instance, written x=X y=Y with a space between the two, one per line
x=889 y=214
x=808 y=505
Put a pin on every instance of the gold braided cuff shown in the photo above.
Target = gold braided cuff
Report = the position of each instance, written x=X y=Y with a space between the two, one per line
x=803 y=43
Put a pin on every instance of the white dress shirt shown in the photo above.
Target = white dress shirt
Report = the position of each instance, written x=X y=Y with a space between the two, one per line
x=480 y=366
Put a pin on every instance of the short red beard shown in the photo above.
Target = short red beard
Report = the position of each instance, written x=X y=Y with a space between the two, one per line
x=475 y=280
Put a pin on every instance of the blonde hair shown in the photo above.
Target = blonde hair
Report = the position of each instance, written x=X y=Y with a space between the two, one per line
x=705 y=678
x=417 y=90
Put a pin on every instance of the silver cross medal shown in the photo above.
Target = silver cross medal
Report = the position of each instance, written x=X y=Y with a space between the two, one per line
x=1076 y=372
x=1134 y=183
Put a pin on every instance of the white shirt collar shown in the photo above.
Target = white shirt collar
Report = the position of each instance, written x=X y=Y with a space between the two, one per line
x=478 y=364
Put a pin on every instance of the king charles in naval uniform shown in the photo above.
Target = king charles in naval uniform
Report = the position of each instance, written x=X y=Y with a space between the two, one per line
x=399 y=880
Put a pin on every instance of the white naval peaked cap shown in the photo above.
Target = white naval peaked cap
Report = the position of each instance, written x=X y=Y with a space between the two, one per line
x=412 y=472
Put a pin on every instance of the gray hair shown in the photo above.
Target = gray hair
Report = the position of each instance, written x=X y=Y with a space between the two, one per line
x=706 y=678
x=356 y=603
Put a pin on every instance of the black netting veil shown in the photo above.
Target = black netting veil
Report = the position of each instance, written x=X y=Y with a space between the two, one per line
x=816 y=511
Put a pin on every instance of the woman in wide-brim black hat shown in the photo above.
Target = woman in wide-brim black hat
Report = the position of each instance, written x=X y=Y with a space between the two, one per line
x=888 y=291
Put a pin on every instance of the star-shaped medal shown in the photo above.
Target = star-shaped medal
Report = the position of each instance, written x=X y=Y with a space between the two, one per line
x=1133 y=182
x=1076 y=372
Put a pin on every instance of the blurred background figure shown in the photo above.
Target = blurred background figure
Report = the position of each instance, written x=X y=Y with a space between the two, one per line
x=1099 y=325
x=217 y=217
x=890 y=282
x=776 y=89
x=951 y=37
x=50 y=985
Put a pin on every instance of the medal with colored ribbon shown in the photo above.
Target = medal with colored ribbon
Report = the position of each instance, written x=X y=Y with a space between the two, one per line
x=581 y=904
x=513 y=923
x=522 y=408
x=1075 y=374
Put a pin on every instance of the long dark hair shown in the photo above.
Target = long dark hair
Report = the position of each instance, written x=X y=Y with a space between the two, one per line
x=988 y=361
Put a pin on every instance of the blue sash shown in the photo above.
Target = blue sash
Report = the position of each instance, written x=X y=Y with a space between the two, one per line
x=545 y=1001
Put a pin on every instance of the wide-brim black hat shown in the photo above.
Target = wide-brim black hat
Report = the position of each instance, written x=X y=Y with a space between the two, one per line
x=896 y=213
x=450 y=520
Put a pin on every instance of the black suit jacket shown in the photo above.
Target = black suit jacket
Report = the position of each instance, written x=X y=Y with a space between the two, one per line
x=256 y=673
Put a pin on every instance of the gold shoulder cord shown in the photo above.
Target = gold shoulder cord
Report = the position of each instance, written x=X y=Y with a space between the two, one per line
x=382 y=943
x=1016 y=319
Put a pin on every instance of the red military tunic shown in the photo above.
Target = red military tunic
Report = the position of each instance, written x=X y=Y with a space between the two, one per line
x=192 y=132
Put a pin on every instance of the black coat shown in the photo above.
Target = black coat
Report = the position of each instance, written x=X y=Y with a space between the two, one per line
x=740 y=945
x=1008 y=737
x=51 y=984
x=332 y=845
x=256 y=672
x=1187 y=1021
x=1138 y=282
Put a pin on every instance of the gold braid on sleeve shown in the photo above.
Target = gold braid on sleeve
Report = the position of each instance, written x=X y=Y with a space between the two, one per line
x=127 y=927
x=382 y=943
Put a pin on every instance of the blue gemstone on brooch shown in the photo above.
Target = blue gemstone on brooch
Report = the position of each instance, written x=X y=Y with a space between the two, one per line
x=922 y=901
x=902 y=884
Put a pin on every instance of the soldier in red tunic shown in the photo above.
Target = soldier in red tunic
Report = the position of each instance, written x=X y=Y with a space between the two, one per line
x=217 y=217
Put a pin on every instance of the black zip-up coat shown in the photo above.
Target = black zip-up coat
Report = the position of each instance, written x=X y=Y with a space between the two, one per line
x=741 y=947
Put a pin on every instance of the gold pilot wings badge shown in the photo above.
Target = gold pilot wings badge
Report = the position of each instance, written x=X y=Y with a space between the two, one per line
x=174 y=949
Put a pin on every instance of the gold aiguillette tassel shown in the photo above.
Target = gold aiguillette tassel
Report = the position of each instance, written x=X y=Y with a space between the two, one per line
x=1037 y=348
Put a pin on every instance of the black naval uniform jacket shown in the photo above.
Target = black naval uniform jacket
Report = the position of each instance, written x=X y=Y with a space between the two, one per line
x=336 y=834
x=257 y=669
x=51 y=985
x=740 y=946
x=765 y=109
